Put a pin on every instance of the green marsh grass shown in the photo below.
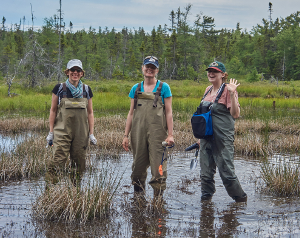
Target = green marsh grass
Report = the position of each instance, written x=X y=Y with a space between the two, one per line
x=111 y=96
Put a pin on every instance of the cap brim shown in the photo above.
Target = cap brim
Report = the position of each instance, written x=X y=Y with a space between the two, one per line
x=214 y=68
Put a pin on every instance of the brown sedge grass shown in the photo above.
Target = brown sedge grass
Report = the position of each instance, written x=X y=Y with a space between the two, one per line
x=27 y=160
x=65 y=202
x=283 y=134
x=281 y=180
x=259 y=138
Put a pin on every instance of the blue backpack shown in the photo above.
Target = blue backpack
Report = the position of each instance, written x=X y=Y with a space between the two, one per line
x=202 y=120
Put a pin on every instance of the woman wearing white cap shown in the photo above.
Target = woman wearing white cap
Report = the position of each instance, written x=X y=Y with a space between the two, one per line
x=71 y=123
x=150 y=121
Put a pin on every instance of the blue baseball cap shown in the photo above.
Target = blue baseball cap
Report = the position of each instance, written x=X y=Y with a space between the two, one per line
x=151 y=60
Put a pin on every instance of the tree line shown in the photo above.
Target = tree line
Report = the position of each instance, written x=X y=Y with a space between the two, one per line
x=184 y=49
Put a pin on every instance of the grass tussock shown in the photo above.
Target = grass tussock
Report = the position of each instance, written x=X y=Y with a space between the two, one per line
x=66 y=203
x=17 y=125
x=27 y=160
x=281 y=180
x=263 y=138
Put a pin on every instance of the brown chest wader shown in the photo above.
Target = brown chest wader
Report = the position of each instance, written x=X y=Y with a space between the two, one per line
x=71 y=133
x=149 y=129
x=219 y=151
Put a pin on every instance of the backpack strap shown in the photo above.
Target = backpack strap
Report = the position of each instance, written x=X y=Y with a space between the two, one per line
x=157 y=93
x=84 y=91
x=136 y=94
x=64 y=90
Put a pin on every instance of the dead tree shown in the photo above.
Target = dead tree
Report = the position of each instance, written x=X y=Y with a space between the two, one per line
x=35 y=64
x=10 y=76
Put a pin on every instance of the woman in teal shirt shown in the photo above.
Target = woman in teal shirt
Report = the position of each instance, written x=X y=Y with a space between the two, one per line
x=150 y=121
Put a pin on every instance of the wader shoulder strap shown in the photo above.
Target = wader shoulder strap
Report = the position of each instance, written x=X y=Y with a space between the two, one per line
x=157 y=94
x=64 y=90
x=136 y=94
x=220 y=91
x=84 y=92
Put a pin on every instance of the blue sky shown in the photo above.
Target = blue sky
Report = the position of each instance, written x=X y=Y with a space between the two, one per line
x=146 y=14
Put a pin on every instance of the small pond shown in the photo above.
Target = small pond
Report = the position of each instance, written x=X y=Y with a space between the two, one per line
x=183 y=214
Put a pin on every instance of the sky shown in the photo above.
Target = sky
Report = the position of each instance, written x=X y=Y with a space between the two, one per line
x=147 y=14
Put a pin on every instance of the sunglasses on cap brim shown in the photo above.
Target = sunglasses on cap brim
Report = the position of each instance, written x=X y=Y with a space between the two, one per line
x=148 y=57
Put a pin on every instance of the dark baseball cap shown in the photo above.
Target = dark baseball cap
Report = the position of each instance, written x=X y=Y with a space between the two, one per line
x=217 y=66
x=151 y=60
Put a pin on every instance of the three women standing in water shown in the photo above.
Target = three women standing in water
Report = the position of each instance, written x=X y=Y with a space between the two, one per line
x=150 y=122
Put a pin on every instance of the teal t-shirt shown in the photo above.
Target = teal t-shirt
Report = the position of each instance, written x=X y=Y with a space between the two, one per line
x=165 y=90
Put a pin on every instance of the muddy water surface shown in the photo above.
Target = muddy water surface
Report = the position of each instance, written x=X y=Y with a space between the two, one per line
x=182 y=215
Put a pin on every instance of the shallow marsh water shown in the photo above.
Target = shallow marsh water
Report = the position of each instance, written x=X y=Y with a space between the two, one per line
x=182 y=215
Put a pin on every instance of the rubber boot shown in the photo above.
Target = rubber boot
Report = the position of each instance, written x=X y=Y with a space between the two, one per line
x=206 y=197
x=241 y=199
x=139 y=188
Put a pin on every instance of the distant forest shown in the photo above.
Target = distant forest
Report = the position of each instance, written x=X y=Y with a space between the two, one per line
x=271 y=48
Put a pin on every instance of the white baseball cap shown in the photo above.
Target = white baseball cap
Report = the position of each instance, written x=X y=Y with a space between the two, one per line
x=74 y=62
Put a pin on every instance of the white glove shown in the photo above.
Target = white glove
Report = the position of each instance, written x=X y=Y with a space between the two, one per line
x=49 y=138
x=93 y=139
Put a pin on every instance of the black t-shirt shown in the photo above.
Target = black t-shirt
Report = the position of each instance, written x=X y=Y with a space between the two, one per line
x=58 y=91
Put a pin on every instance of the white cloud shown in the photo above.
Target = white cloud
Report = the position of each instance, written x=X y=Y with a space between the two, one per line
x=147 y=14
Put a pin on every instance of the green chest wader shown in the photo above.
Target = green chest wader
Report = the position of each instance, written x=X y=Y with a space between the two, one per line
x=219 y=151
x=71 y=132
x=149 y=129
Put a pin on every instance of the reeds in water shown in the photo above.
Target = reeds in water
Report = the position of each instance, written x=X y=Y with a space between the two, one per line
x=27 y=160
x=281 y=180
x=68 y=203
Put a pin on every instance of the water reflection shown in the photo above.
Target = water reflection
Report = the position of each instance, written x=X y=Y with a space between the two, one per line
x=148 y=220
x=207 y=218
x=9 y=142
x=229 y=219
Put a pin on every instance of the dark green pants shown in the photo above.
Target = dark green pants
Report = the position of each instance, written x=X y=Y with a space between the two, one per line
x=221 y=157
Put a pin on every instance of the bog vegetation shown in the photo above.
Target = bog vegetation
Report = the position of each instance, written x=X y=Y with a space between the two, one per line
x=265 y=60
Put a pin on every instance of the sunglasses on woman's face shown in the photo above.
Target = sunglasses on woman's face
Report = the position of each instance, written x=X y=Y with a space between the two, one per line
x=150 y=66
x=76 y=69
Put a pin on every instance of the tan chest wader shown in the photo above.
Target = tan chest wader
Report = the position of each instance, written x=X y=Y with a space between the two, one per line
x=71 y=133
x=149 y=129
x=219 y=151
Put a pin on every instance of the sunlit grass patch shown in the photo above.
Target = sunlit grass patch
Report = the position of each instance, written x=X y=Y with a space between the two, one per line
x=111 y=102
x=67 y=203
